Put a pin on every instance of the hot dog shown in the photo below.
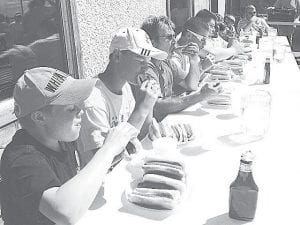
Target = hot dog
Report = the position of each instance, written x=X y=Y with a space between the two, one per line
x=164 y=170
x=164 y=162
x=176 y=184
x=155 y=199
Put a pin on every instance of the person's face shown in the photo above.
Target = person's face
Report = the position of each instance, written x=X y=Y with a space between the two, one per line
x=212 y=27
x=165 y=38
x=250 y=13
x=199 y=38
x=62 y=122
x=133 y=64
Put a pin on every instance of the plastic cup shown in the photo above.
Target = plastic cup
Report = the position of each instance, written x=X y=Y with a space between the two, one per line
x=255 y=113
x=278 y=52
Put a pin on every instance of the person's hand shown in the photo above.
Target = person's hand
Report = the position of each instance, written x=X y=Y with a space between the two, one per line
x=192 y=50
x=154 y=131
x=119 y=136
x=208 y=62
x=148 y=94
x=209 y=91
x=238 y=47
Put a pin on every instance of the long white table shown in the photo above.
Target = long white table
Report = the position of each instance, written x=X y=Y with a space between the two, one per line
x=213 y=161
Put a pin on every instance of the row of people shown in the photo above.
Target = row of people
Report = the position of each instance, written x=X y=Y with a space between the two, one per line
x=75 y=131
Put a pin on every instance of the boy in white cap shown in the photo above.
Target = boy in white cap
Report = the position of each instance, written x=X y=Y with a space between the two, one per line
x=111 y=101
x=40 y=183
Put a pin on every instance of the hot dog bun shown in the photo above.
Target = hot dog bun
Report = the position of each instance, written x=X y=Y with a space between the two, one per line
x=162 y=186
x=166 y=162
x=176 y=184
x=155 y=198
x=181 y=131
x=164 y=170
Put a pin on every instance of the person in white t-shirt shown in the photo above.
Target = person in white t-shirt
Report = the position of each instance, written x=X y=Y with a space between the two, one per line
x=111 y=102
x=251 y=22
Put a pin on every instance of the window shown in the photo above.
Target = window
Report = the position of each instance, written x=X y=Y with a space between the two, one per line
x=180 y=11
x=35 y=33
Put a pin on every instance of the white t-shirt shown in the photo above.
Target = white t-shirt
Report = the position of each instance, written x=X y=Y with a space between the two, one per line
x=217 y=42
x=103 y=110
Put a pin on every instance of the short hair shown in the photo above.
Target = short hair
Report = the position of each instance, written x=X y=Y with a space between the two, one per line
x=152 y=23
x=219 y=17
x=206 y=15
x=194 y=24
x=250 y=7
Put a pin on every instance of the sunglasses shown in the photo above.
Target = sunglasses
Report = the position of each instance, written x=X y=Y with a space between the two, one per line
x=198 y=36
x=168 y=37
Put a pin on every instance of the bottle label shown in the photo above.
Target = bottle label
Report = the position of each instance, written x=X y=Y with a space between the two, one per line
x=246 y=167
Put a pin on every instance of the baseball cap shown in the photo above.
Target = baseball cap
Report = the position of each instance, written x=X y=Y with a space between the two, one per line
x=137 y=41
x=43 y=86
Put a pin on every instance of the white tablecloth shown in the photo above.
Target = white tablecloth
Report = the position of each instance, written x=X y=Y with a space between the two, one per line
x=213 y=158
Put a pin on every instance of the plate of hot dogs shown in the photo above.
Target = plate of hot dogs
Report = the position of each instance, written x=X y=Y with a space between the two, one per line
x=182 y=132
x=162 y=186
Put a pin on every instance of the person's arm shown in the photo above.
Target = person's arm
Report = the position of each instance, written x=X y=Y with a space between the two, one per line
x=265 y=25
x=67 y=204
x=166 y=106
x=144 y=105
x=244 y=24
x=188 y=80
x=222 y=53
x=192 y=79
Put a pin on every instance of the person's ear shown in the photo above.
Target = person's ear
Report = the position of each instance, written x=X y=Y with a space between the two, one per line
x=38 y=117
x=154 y=43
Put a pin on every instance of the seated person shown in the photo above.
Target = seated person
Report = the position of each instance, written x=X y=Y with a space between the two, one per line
x=184 y=59
x=40 y=181
x=112 y=102
x=252 y=23
x=228 y=32
x=194 y=32
x=215 y=44
x=161 y=33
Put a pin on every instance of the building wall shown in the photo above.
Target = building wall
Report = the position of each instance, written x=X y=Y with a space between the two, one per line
x=221 y=7
x=99 y=20
x=201 y=4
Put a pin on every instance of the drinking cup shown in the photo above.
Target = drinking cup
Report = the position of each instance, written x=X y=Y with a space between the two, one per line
x=279 y=52
x=255 y=113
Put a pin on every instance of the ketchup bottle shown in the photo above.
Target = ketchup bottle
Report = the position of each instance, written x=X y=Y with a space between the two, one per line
x=243 y=191
x=267 y=71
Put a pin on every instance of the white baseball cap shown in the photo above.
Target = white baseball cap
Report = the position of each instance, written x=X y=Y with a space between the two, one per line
x=43 y=86
x=137 y=41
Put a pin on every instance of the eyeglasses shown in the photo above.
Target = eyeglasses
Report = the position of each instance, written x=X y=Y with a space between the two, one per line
x=198 y=36
x=168 y=37
x=252 y=13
